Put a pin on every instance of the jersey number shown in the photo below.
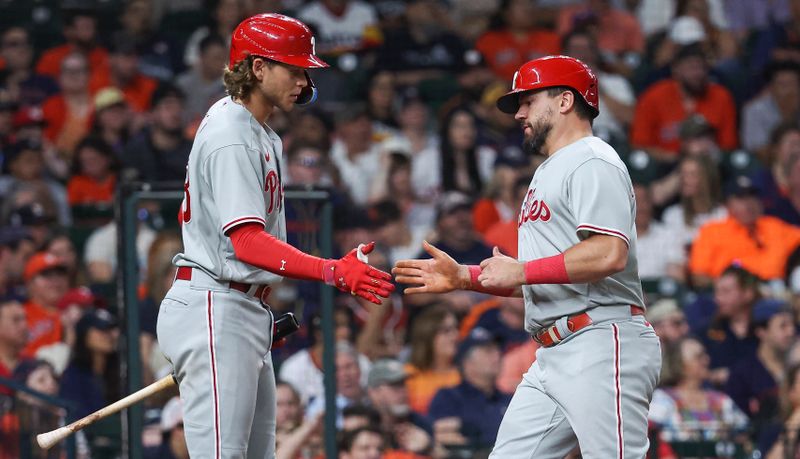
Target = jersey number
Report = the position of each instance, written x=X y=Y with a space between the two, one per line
x=185 y=213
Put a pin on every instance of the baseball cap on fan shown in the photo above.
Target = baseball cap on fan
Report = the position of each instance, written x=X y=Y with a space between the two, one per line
x=741 y=187
x=386 y=371
x=42 y=262
x=478 y=337
x=451 y=202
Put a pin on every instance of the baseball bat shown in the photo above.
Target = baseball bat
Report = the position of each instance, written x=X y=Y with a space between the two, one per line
x=48 y=439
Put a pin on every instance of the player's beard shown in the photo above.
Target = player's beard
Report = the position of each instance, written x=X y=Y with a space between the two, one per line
x=540 y=130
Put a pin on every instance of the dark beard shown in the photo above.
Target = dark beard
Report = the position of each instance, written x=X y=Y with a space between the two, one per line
x=532 y=145
x=695 y=90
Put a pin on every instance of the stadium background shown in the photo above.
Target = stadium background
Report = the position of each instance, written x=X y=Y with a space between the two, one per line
x=701 y=98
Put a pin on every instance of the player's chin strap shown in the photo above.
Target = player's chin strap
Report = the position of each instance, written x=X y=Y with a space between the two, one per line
x=309 y=94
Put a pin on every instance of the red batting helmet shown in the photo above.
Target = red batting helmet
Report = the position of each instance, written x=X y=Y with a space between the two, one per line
x=549 y=72
x=278 y=38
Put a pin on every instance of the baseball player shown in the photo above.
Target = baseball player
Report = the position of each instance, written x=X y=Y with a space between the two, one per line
x=214 y=324
x=599 y=359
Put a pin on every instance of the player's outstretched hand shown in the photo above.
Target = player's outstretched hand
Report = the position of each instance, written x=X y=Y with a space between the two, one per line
x=440 y=274
x=501 y=271
x=349 y=274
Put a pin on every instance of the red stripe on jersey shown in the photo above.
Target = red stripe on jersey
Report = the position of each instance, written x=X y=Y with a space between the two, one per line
x=610 y=232
x=239 y=221
x=210 y=312
x=618 y=393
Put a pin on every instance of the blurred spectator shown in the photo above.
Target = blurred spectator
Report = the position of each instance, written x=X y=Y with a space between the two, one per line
x=303 y=369
x=380 y=97
x=423 y=50
x=33 y=210
x=160 y=152
x=354 y=154
x=465 y=165
x=69 y=113
x=204 y=80
x=787 y=207
x=113 y=119
x=124 y=75
x=363 y=443
x=498 y=130
x=616 y=93
x=80 y=32
x=349 y=387
x=342 y=25
x=33 y=413
x=759 y=243
x=730 y=335
x=660 y=253
x=778 y=42
x=615 y=30
x=307 y=166
x=514 y=364
x=664 y=105
x=159 y=55
x=431 y=363
x=60 y=245
x=500 y=202
x=25 y=166
x=71 y=307
x=29 y=125
x=502 y=317
x=456 y=231
x=699 y=194
x=746 y=17
x=720 y=41
x=356 y=416
x=755 y=379
x=683 y=408
x=289 y=413
x=778 y=104
x=668 y=321
x=94 y=174
x=91 y=380
x=406 y=430
x=100 y=251
x=772 y=180
x=7 y=110
x=476 y=401
x=784 y=441
x=46 y=280
x=16 y=246
x=173 y=443
x=514 y=39
x=312 y=127
x=160 y=275
x=503 y=234
x=420 y=144
x=225 y=16
x=13 y=337
x=23 y=85
x=403 y=220
x=303 y=441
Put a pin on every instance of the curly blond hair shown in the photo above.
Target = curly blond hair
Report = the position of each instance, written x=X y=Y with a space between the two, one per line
x=240 y=81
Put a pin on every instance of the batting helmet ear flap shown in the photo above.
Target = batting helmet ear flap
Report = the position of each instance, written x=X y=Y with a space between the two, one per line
x=308 y=94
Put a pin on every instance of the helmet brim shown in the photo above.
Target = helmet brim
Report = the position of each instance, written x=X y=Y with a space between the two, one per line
x=509 y=103
x=306 y=61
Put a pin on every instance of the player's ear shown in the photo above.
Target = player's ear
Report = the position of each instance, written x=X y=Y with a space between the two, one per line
x=567 y=101
x=258 y=68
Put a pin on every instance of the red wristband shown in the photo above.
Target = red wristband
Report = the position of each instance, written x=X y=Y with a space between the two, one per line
x=550 y=270
x=474 y=285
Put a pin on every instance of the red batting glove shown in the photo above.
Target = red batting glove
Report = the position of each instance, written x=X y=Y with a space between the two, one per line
x=349 y=274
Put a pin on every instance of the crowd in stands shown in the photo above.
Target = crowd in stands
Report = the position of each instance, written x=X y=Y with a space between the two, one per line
x=700 y=98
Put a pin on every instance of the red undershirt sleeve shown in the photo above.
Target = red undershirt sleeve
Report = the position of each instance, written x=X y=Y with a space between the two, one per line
x=254 y=246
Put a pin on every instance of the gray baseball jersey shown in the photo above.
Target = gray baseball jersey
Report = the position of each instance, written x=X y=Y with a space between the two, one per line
x=583 y=188
x=232 y=178
x=592 y=389
x=218 y=338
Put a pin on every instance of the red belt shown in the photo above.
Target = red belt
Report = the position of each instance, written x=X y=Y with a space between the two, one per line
x=550 y=336
x=185 y=273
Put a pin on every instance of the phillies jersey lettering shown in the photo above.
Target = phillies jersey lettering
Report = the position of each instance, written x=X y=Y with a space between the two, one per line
x=232 y=158
x=581 y=189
